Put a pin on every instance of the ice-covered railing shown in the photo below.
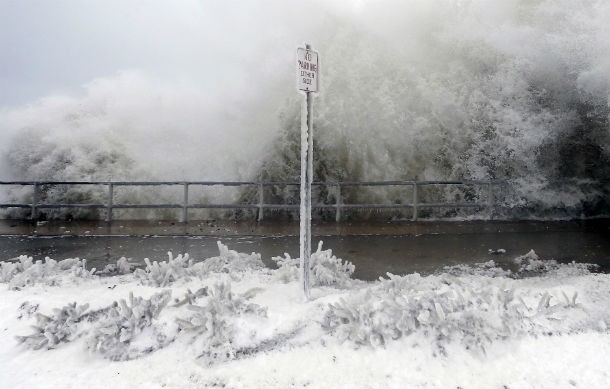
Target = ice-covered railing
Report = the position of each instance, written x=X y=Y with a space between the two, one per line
x=411 y=201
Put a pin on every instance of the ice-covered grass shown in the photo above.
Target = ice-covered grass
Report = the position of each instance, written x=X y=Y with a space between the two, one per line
x=228 y=321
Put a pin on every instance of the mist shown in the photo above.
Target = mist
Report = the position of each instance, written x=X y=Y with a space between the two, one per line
x=174 y=90
x=513 y=90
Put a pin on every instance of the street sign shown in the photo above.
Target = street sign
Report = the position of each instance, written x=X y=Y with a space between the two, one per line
x=307 y=69
x=307 y=81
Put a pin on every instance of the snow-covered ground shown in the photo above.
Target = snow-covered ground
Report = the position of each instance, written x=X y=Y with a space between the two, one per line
x=230 y=322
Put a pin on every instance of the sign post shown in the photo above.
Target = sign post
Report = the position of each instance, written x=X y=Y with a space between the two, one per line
x=307 y=81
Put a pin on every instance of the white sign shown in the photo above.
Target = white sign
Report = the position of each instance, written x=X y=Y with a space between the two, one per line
x=307 y=70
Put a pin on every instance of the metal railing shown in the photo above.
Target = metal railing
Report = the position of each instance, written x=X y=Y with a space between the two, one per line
x=415 y=205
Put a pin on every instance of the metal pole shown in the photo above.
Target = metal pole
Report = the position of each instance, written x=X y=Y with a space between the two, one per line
x=109 y=203
x=306 y=179
x=415 y=201
x=260 y=201
x=338 y=204
x=185 y=203
x=35 y=202
x=490 y=200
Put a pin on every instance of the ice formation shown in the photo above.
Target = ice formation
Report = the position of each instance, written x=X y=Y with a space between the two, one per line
x=241 y=311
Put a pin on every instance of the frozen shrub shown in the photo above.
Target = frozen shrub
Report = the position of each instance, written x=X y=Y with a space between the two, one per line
x=326 y=269
x=213 y=325
x=448 y=308
x=8 y=270
x=27 y=309
x=60 y=327
x=526 y=265
x=164 y=273
x=190 y=297
x=531 y=264
x=229 y=261
x=288 y=268
x=25 y=272
x=114 y=334
x=122 y=266
x=116 y=331
x=487 y=269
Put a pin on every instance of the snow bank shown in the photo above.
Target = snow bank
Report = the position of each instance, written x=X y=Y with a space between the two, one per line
x=247 y=326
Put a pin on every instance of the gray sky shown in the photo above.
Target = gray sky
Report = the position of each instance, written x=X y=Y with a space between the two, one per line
x=55 y=47
x=81 y=72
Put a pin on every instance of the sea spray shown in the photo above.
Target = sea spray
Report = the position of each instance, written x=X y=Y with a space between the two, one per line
x=514 y=91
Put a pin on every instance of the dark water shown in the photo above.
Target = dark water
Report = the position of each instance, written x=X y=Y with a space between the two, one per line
x=373 y=255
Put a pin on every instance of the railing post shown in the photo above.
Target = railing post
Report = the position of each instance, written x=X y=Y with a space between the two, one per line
x=261 y=202
x=109 y=202
x=34 y=215
x=338 y=204
x=185 y=203
x=490 y=200
x=415 y=201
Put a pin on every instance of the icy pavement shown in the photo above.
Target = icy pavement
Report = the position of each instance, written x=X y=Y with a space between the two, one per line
x=229 y=321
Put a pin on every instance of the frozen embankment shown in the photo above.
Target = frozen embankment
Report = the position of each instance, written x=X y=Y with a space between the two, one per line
x=228 y=321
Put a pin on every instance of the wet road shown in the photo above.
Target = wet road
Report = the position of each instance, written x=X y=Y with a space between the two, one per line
x=373 y=255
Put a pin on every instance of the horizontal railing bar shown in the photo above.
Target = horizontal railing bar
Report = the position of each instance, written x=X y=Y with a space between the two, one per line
x=164 y=183
x=329 y=183
x=54 y=182
x=367 y=206
x=408 y=183
x=150 y=206
x=419 y=205
x=373 y=183
x=223 y=206
x=295 y=183
x=269 y=183
x=18 y=182
x=290 y=206
x=238 y=183
x=229 y=183
x=334 y=183
x=452 y=182
x=51 y=206
x=450 y=205
x=346 y=183
x=280 y=206
x=131 y=183
x=144 y=183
